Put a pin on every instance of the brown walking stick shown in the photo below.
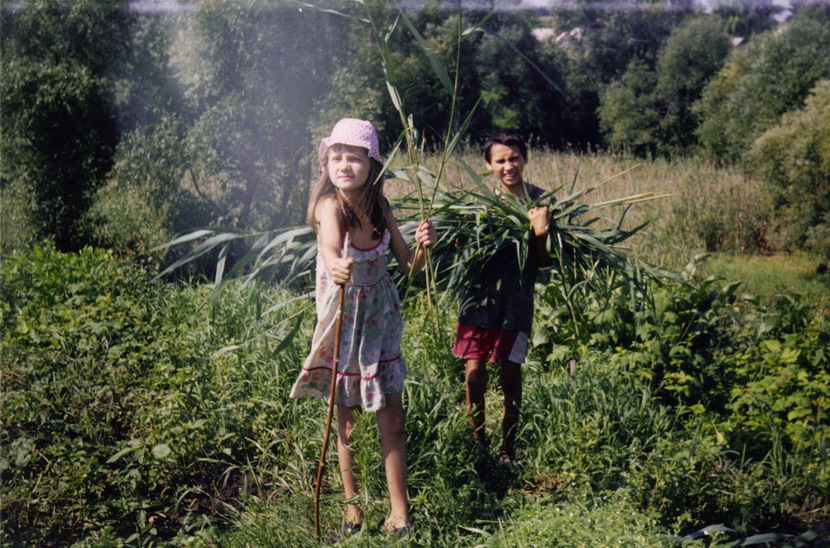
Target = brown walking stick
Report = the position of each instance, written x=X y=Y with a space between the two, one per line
x=338 y=321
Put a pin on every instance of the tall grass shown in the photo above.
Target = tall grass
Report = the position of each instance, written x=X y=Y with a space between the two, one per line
x=709 y=208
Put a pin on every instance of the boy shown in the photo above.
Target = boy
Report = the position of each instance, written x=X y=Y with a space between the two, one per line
x=497 y=305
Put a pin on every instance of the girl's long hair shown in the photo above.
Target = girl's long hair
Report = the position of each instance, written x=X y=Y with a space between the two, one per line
x=370 y=206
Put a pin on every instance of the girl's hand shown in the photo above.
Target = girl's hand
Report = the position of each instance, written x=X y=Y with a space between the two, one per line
x=341 y=270
x=425 y=234
x=539 y=220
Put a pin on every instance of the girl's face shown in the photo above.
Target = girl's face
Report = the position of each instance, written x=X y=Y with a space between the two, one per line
x=348 y=167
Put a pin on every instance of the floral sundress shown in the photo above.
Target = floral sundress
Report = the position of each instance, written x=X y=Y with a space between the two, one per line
x=370 y=364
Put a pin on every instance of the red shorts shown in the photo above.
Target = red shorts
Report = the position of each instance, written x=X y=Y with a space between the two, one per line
x=473 y=342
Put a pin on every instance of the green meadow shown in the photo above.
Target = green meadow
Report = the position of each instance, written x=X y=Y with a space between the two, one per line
x=147 y=412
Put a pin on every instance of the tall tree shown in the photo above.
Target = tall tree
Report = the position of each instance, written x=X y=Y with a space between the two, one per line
x=609 y=37
x=252 y=74
x=692 y=56
x=57 y=104
x=762 y=80
x=522 y=81
x=628 y=111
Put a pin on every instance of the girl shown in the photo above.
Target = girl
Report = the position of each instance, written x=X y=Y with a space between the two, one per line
x=347 y=209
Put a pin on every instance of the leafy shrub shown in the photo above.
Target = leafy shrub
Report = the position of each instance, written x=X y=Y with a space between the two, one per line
x=704 y=397
x=786 y=391
x=795 y=156
x=123 y=419
x=143 y=204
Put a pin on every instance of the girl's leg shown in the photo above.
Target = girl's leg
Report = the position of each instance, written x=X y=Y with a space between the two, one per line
x=345 y=456
x=391 y=423
x=511 y=384
x=476 y=382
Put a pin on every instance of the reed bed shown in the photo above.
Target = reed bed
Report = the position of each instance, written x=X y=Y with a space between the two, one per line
x=708 y=208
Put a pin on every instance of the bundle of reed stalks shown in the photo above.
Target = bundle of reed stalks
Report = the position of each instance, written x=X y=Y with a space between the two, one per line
x=585 y=244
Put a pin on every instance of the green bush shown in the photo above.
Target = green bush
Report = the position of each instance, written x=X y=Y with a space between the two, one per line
x=795 y=156
x=122 y=416
x=144 y=202
x=785 y=390
x=703 y=400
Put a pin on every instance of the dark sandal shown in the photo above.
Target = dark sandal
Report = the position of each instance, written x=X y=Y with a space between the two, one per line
x=397 y=532
x=349 y=528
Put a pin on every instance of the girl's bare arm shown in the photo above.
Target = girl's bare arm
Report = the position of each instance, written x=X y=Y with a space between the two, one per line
x=410 y=262
x=330 y=239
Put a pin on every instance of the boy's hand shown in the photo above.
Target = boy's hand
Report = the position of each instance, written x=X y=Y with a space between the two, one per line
x=341 y=270
x=425 y=234
x=539 y=220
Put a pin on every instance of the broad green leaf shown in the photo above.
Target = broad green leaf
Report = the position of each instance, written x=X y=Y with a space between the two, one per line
x=161 y=450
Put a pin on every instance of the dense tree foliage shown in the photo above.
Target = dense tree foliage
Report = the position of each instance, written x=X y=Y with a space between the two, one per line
x=628 y=110
x=57 y=102
x=123 y=127
x=251 y=75
x=692 y=56
x=769 y=76
x=650 y=110
x=745 y=19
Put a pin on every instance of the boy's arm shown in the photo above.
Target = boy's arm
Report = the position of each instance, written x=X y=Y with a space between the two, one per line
x=539 y=221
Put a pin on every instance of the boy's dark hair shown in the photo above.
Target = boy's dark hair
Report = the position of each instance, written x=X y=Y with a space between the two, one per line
x=506 y=137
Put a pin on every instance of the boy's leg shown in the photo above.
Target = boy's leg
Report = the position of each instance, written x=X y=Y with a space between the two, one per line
x=391 y=423
x=476 y=383
x=511 y=384
x=345 y=457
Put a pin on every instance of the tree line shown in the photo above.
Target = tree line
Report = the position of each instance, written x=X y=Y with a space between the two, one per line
x=123 y=126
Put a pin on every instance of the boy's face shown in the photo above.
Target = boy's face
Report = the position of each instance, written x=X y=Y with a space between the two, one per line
x=507 y=165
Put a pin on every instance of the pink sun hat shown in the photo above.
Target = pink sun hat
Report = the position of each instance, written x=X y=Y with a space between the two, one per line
x=354 y=132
